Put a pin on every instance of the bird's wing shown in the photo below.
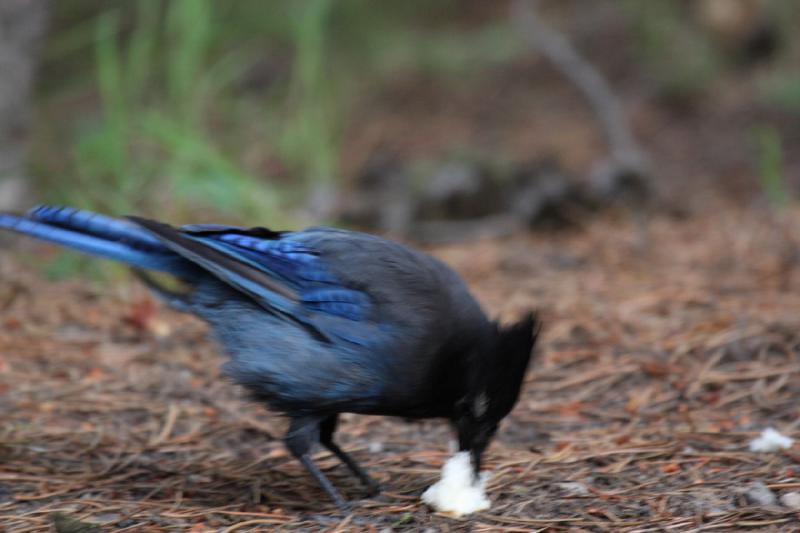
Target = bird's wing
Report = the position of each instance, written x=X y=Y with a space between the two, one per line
x=279 y=271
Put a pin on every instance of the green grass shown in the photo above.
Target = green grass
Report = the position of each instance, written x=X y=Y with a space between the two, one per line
x=782 y=90
x=152 y=146
x=770 y=166
x=149 y=111
x=310 y=140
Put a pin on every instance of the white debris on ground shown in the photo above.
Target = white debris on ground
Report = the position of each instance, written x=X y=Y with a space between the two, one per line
x=771 y=440
x=455 y=493
x=573 y=488
x=759 y=494
x=791 y=500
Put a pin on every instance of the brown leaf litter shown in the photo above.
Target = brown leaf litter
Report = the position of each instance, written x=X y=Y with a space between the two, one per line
x=668 y=345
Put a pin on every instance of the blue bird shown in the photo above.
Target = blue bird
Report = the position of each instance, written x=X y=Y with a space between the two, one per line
x=321 y=322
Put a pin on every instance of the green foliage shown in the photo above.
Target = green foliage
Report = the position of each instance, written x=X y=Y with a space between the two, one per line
x=309 y=141
x=69 y=264
x=166 y=123
x=64 y=523
x=770 y=163
x=782 y=89
x=679 y=56
x=780 y=83
x=403 y=519
x=152 y=149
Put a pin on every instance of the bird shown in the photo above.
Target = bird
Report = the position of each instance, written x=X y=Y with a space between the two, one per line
x=322 y=321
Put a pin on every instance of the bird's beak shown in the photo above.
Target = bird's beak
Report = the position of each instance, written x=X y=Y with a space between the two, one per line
x=475 y=455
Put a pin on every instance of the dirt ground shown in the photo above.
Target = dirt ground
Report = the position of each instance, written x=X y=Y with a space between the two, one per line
x=668 y=345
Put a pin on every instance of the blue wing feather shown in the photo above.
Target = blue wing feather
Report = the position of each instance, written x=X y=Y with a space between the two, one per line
x=279 y=270
x=297 y=265
x=346 y=303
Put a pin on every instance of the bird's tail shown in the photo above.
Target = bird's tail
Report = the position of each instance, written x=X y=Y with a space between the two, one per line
x=96 y=234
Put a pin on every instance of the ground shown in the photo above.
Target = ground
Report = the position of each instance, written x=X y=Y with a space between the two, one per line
x=669 y=343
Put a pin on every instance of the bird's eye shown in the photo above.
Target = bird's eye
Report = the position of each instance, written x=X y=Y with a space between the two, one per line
x=480 y=405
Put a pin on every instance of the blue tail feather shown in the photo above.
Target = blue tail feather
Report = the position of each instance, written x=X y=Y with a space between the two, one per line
x=97 y=243
x=97 y=225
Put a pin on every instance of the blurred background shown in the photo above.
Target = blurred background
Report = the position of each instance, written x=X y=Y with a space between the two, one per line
x=434 y=121
x=627 y=167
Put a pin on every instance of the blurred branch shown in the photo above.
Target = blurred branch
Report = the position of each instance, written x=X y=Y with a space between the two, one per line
x=626 y=154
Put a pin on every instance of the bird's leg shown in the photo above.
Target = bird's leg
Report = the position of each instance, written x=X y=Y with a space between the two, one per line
x=302 y=435
x=327 y=428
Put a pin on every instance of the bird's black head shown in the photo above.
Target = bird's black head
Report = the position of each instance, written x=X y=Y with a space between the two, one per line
x=495 y=384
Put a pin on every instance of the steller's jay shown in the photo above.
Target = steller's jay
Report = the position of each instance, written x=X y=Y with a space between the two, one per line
x=323 y=321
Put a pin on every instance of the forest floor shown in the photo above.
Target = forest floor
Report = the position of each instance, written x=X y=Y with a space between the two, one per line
x=668 y=344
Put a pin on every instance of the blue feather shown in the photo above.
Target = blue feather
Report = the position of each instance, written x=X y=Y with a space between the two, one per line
x=96 y=224
x=346 y=303
x=164 y=261
x=297 y=265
